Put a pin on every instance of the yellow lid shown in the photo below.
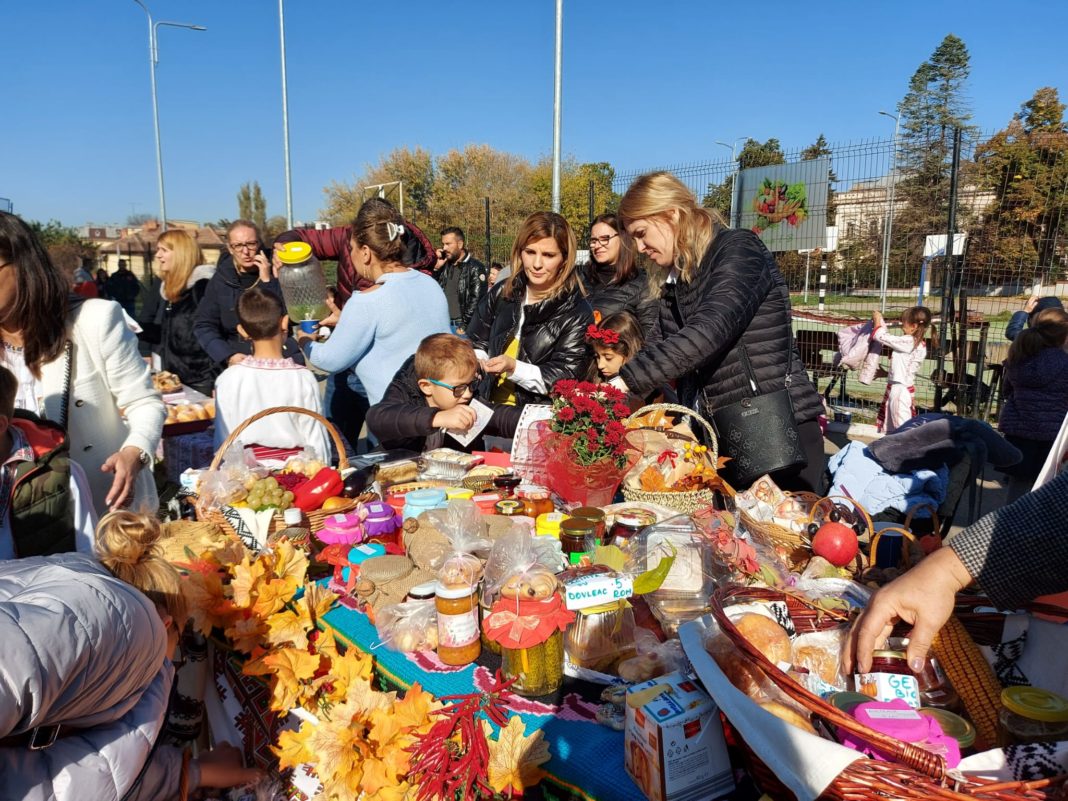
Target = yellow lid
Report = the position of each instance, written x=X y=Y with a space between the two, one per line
x=1035 y=703
x=292 y=252
x=548 y=524
x=459 y=493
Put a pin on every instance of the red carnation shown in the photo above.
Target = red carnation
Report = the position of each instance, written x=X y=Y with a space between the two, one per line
x=621 y=410
x=586 y=387
x=564 y=386
x=599 y=414
x=565 y=414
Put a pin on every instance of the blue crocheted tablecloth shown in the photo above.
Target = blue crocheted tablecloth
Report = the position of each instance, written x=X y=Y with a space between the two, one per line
x=587 y=758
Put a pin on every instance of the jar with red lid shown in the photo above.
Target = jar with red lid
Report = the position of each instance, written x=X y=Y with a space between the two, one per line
x=628 y=523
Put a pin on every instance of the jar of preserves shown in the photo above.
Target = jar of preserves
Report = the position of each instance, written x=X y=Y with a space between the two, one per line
x=936 y=691
x=536 y=500
x=595 y=515
x=889 y=679
x=1032 y=715
x=537 y=670
x=382 y=524
x=458 y=630
x=507 y=484
x=577 y=535
x=627 y=524
x=422 y=592
x=509 y=507
x=548 y=524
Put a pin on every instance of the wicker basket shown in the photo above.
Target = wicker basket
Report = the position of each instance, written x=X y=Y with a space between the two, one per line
x=316 y=517
x=795 y=544
x=912 y=773
x=689 y=501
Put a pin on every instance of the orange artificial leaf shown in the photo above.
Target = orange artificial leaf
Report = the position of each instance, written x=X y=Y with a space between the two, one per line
x=289 y=669
x=231 y=552
x=338 y=758
x=288 y=628
x=516 y=759
x=206 y=598
x=247 y=576
x=362 y=699
x=292 y=749
x=245 y=633
x=318 y=600
x=384 y=728
x=290 y=562
x=398 y=792
x=414 y=710
x=273 y=595
x=652 y=480
x=379 y=774
x=347 y=670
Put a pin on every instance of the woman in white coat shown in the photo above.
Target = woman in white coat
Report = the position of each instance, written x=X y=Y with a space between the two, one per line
x=78 y=365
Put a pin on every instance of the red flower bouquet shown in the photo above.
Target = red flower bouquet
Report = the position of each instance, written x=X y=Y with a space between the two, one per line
x=586 y=445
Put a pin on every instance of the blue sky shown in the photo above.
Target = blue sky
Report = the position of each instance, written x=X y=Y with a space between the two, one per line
x=646 y=84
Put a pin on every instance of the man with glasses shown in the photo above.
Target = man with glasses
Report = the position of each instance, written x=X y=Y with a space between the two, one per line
x=243 y=266
x=462 y=277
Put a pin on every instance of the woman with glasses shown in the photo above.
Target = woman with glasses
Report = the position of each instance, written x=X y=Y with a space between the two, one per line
x=529 y=331
x=77 y=365
x=727 y=303
x=613 y=280
x=184 y=280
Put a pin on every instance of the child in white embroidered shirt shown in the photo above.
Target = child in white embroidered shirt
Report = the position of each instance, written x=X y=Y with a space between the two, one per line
x=909 y=351
x=267 y=379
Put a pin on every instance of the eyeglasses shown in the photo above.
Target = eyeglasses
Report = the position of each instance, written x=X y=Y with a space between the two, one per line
x=602 y=240
x=244 y=245
x=458 y=390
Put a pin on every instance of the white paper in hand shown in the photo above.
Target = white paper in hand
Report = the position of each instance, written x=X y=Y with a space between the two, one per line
x=483 y=413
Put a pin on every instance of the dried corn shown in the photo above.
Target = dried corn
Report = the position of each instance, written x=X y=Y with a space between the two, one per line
x=973 y=679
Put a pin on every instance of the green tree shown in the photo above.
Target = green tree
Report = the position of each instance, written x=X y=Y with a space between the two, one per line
x=933 y=107
x=820 y=149
x=1024 y=234
x=64 y=245
x=251 y=204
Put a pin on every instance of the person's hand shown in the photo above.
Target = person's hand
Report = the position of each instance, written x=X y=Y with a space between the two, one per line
x=260 y=260
x=332 y=318
x=125 y=464
x=458 y=418
x=499 y=364
x=924 y=597
x=303 y=338
x=237 y=358
x=876 y=318
x=276 y=263
x=222 y=767
x=1032 y=302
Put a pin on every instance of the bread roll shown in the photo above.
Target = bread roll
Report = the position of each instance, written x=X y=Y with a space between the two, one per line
x=768 y=636
x=187 y=417
x=199 y=411
x=791 y=716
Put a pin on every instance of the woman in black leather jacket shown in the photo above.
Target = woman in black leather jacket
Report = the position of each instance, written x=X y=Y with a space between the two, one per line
x=529 y=331
x=723 y=290
x=613 y=281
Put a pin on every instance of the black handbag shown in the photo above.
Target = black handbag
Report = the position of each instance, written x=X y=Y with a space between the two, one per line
x=759 y=433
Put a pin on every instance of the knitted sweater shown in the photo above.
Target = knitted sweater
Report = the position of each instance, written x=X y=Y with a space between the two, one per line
x=380 y=328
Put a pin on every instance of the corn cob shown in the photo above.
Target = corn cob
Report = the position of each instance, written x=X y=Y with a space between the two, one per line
x=973 y=679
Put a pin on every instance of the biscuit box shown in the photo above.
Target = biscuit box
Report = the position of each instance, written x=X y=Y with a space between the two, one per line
x=674 y=748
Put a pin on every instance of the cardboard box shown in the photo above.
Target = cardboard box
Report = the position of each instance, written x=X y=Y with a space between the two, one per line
x=674 y=748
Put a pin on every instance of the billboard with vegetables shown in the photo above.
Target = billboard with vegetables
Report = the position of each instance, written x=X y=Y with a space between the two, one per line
x=785 y=204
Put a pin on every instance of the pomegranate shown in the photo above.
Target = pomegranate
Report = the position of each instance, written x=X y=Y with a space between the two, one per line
x=837 y=543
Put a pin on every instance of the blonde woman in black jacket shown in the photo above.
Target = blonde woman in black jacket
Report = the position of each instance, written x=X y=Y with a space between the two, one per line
x=529 y=331
x=722 y=290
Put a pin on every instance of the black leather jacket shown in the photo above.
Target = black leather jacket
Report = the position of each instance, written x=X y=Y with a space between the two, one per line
x=473 y=283
x=553 y=335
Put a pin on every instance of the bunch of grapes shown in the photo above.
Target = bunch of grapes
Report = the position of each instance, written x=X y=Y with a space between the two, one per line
x=266 y=493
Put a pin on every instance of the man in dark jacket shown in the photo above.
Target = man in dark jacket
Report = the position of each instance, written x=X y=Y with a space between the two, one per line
x=462 y=277
x=124 y=287
x=245 y=266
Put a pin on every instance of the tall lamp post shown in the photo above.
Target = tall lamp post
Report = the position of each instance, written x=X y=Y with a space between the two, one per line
x=733 y=148
x=153 y=60
x=285 y=116
x=557 y=93
x=889 y=226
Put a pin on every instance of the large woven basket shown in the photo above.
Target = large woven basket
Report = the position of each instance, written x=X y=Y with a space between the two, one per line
x=689 y=501
x=912 y=773
x=795 y=544
x=316 y=517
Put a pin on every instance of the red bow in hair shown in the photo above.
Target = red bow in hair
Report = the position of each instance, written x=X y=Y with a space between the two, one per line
x=602 y=335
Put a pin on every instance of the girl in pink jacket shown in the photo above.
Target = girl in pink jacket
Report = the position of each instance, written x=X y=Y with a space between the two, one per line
x=908 y=353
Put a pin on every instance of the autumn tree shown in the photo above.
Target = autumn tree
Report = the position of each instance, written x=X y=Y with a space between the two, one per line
x=1023 y=236
x=251 y=204
x=575 y=180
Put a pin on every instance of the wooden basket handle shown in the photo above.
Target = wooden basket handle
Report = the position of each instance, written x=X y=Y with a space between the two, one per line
x=856 y=506
x=936 y=522
x=873 y=547
x=673 y=407
x=342 y=459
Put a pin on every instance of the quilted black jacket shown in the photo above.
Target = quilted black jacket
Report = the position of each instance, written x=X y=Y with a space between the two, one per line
x=402 y=419
x=737 y=295
x=553 y=336
x=631 y=295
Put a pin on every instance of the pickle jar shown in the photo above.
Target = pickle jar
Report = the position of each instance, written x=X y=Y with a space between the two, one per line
x=459 y=642
x=539 y=669
x=1032 y=715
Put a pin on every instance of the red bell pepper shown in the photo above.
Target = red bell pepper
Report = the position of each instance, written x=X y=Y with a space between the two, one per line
x=310 y=495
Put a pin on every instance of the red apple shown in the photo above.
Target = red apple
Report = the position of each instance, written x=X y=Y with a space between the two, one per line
x=837 y=543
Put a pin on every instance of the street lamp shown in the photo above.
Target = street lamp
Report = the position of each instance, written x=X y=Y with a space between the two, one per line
x=889 y=226
x=734 y=185
x=285 y=117
x=557 y=94
x=153 y=59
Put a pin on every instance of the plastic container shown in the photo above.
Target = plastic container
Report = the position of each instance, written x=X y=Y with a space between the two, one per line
x=1032 y=715
x=302 y=282
x=899 y=720
x=459 y=493
x=952 y=726
x=601 y=636
x=423 y=500
x=459 y=640
x=548 y=524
